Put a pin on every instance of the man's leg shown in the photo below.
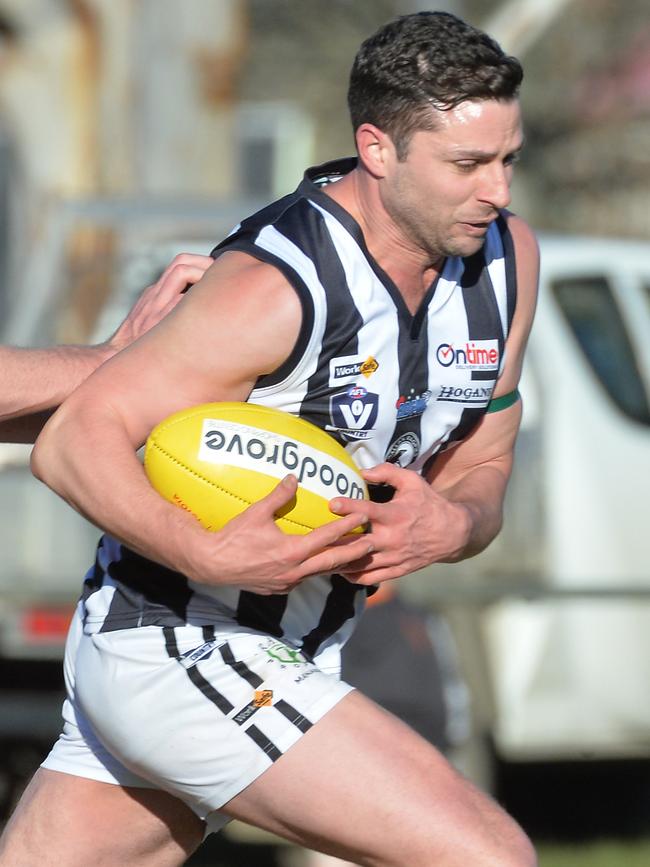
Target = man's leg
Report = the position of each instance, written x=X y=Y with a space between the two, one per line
x=362 y=786
x=68 y=821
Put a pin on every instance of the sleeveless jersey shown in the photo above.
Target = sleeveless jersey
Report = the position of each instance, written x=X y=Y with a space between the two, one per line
x=387 y=384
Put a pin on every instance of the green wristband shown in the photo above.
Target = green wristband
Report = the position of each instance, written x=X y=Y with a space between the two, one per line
x=503 y=402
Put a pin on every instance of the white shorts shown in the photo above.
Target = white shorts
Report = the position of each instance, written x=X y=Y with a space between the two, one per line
x=197 y=713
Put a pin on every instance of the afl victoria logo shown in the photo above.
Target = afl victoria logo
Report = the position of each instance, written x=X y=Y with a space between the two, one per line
x=354 y=412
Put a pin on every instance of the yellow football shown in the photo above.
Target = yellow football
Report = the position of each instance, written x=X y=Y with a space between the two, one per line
x=216 y=459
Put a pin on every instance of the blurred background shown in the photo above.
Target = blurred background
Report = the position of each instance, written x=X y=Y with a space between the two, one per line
x=133 y=129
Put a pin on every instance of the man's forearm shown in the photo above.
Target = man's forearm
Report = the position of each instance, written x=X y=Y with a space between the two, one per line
x=33 y=380
x=481 y=494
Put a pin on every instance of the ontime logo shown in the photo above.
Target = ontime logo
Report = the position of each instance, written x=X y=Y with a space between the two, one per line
x=471 y=355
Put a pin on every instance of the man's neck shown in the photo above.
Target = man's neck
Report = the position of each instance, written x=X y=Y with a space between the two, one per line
x=408 y=266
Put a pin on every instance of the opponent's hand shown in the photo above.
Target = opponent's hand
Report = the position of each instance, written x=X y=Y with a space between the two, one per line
x=416 y=528
x=253 y=554
x=160 y=298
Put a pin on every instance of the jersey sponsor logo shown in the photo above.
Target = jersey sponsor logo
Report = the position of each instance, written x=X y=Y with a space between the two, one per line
x=205 y=650
x=285 y=654
x=471 y=355
x=404 y=450
x=263 y=698
x=245 y=713
x=354 y=413
x=240 y=445
x=414 y=404
x=348 y=368
x=467 y=395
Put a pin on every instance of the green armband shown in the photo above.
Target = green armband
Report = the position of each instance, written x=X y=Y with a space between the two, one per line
x=503 y=402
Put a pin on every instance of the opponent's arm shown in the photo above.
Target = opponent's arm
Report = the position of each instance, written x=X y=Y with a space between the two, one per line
x=239 y=322
x=35 y=381
x=457 y=511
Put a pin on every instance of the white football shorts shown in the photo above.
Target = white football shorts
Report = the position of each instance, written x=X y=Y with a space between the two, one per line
x=199 y=712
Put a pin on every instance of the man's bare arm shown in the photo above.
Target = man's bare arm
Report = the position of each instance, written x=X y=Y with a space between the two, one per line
x=35 y=381
x=457 y=511
x=239 y=322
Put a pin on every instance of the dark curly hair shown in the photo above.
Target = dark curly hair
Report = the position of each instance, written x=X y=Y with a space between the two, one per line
x=424 y=60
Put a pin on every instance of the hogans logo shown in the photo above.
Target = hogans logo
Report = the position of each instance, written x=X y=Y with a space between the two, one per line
x=354 y=413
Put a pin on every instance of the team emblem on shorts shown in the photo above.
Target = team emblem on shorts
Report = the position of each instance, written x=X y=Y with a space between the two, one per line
x=354 y=413
x=285 y=654
x=404 y=450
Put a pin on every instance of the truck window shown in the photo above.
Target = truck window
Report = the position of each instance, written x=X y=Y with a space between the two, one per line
x=594 y=318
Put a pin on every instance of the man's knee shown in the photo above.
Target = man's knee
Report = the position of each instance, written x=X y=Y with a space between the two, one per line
x=514 y=850
x=474 y=831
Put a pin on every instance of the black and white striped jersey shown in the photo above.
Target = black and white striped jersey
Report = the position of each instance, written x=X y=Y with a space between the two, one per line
x=387 y=384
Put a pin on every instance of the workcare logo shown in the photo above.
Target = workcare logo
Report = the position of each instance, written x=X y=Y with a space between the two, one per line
x=470 y=355
x=348 y=368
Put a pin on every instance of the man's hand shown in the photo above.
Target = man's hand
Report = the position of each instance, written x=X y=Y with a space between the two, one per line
x=253 y=554
x=160 y=298
x=416 y=528
x=33 y=382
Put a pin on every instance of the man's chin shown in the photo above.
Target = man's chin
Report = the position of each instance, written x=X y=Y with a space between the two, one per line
x=464 y=247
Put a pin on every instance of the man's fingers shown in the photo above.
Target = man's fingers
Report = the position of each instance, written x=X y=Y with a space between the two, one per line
x=176 y=280
x=388 y=474
x=330 y=534
x=332 y=559
x=346 y=506
x=281 y=494
x=187 y=260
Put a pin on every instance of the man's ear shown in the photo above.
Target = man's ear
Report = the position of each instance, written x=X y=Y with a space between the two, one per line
x=375 y=149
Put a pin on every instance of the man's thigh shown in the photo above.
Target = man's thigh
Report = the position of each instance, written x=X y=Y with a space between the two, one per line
x=68 y=821
x=363 y=786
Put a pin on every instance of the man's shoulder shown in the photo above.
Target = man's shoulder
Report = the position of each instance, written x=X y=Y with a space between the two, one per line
x=249 y=228
x=523 y=236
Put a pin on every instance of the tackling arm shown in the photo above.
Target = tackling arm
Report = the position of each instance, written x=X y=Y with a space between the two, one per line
x=33 y=382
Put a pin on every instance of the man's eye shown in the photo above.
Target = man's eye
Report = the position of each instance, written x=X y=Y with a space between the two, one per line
x=466 y=165
x=511 y=159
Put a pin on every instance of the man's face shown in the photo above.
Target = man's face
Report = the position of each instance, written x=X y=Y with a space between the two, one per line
x=454 y=179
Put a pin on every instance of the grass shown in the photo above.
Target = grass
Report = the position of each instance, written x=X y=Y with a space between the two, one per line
x=603 y=854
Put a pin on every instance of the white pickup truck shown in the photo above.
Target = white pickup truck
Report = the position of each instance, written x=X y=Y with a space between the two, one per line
x=552 y=621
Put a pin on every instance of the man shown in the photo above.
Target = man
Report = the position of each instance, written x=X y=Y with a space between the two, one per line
x=33 y=382
x=378 y=301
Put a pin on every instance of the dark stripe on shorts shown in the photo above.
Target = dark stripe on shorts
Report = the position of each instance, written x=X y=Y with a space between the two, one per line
x=263 y=742
x=209 y=691
x=171 y=646
x=208 y=633
x=240 y=667
x=267 y=746
x=299 y=720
